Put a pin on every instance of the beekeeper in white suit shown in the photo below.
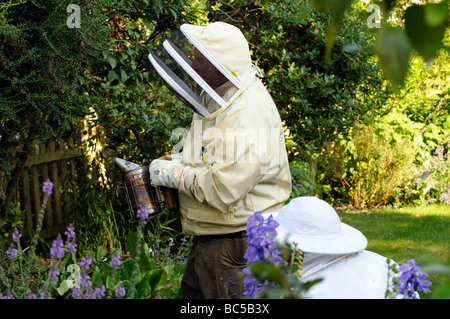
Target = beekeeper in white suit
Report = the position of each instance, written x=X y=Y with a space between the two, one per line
x=333 y=251
x=234 y=159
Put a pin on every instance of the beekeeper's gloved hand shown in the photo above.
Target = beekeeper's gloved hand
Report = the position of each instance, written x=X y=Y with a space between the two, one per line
x=173 y=174
x=160 y=172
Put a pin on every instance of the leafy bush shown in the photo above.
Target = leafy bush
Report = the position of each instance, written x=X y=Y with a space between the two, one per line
x=40 y=61
x=432 y=181
x=369 y=168
x=417 y=116
x=304 y=179
x=315 y=99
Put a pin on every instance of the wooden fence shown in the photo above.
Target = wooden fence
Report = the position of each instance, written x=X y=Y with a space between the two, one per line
x=59 y=162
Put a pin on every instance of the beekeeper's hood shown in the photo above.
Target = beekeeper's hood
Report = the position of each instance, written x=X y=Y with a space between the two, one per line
x=195 y=60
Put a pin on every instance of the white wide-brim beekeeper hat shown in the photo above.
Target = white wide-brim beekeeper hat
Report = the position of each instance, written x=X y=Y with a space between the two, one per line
x=314 y=226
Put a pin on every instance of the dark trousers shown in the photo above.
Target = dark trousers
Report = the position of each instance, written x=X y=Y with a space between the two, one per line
x=214 y=269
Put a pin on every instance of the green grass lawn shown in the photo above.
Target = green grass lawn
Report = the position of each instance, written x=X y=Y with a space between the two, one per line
x=421 y=233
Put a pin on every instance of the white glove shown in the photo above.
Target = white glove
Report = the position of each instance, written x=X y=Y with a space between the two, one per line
x=160 y=172
x=173 y=174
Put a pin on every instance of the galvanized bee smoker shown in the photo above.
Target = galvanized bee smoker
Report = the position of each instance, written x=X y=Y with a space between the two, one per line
x=139 y=191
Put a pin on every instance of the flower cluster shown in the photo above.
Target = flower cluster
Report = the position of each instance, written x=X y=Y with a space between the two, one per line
x=142 y=214
x=47 y=187
x=12 y=251
x=16 y=236
x=412 y=280
x=260 y=234
x=261 y=248
x=71 y=246
x=57 y=250
x=115 y=261
x=120 y=291
x=82 y=286
x=85 y=290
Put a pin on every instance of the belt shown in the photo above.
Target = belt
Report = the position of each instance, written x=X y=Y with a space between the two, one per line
x=203 y=238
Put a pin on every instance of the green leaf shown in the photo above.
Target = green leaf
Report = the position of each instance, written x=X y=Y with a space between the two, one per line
x=100 y=254
x=144 y=287
x=155 y=277
x=127 y=285
x=123 y=76
x=108 y=282
x=425 y=26
x=112 y=75
x=96 y=276
x=144 y=265
x=112 y=62
x=394 y=51
x=107 y=270
x=436 y=14
x=127 y=268
x=131 y=243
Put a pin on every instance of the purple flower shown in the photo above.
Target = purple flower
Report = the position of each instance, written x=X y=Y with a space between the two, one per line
x=11 y=252
x=85 y=281
x=57 y=249
x=7 y=296
x=70 y=232
x=47 y=187
x=120 y=291
x=16 y=236
x=412 y=280
x=142 y=213
x=76 y=293
x=99 y=291
x=54 y=275
x=261 y=247
x=115 y=261
x=70 y=243
x=253 y=287
x=85 y=262
x=260 y=236
x=72 y=247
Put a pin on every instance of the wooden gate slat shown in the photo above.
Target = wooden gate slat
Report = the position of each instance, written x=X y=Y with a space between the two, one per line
x=27 y=200
x=57 y=161
x=55 y=179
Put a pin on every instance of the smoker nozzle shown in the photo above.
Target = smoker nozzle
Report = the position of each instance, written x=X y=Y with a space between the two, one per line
x=124 y=165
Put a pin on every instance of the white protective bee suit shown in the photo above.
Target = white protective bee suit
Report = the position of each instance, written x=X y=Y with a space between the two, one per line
x=234 y=160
